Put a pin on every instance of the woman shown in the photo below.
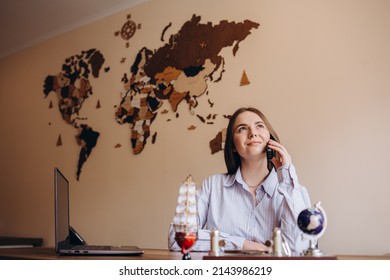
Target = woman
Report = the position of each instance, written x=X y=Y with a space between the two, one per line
x=255 y=195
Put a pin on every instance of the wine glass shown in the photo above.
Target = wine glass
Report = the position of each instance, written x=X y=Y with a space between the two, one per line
x=186 y=236
x=185 y=221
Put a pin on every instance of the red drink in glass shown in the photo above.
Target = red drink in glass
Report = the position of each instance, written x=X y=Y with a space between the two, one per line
x=186 y=240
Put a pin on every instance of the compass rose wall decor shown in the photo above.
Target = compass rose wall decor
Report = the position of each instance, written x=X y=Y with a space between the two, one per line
x=128 y=30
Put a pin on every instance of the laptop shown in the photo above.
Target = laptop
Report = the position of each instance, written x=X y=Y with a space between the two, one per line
x=67 y=240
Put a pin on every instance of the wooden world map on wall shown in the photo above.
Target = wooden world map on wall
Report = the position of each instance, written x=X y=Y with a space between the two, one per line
x=176 y=72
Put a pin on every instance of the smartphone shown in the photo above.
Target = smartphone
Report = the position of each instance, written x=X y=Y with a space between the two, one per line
x=271 y=153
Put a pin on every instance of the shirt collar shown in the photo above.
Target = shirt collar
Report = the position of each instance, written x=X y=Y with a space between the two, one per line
x=269 y=185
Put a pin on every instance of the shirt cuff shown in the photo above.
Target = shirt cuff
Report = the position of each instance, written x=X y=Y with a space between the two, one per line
x=234 y=242
x=287 y=175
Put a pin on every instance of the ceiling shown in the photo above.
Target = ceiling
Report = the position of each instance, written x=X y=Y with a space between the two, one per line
x=24 y=23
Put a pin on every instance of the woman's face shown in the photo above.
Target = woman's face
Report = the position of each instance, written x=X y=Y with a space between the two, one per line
x=250 y=135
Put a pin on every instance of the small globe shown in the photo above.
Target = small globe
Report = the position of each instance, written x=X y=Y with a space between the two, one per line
x=311 y=221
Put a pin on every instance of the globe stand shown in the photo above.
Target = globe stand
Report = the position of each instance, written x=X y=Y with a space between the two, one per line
x=313 y=236
x=313 y=250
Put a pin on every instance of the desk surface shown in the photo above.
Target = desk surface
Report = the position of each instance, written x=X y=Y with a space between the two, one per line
x=42 y=253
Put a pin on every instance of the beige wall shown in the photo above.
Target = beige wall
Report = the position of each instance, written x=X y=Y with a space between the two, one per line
x=320 y=70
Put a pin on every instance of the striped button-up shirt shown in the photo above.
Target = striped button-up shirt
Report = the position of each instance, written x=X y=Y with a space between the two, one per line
x=225 y=203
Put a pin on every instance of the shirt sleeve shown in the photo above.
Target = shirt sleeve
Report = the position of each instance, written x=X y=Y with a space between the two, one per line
x=296 y=199
x=203 y=202
x=297 y=196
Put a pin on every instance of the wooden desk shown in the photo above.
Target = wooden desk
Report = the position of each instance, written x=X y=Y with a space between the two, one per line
x=42 y=253
x=266 y=257
x=364 y=257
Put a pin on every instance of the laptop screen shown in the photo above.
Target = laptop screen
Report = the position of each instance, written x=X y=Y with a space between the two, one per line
x=61 y=193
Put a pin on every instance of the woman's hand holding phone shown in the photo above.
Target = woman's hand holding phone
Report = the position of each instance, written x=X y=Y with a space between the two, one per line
x=284 y=157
